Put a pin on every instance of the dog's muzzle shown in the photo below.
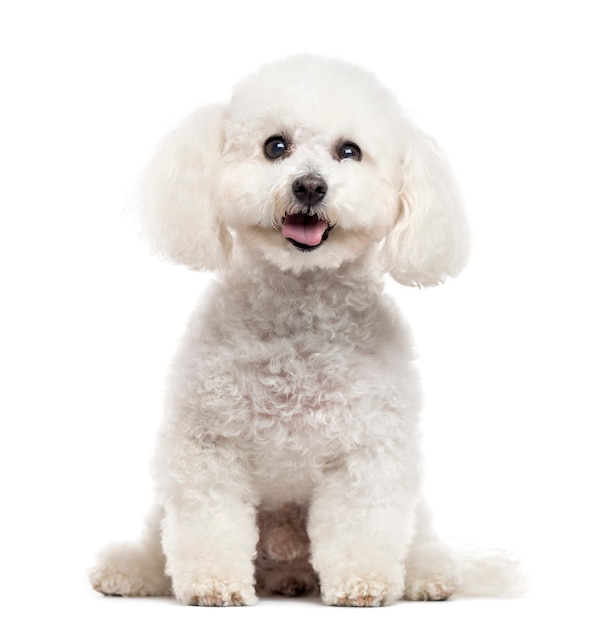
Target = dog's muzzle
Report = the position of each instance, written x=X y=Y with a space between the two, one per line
x=307 y=229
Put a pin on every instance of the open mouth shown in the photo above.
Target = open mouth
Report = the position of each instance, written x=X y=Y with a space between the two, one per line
x=305 y=232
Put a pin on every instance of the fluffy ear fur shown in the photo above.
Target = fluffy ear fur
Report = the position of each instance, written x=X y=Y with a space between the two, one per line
x=430 y=239
x=177 y=194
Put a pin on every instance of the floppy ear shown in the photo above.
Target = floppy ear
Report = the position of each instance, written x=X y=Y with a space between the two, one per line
x=430 y=238
x=178 y=190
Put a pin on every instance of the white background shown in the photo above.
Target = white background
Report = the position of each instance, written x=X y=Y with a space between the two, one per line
x=510 y=350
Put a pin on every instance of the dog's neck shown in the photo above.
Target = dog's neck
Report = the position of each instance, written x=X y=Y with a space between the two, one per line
x=270 y=303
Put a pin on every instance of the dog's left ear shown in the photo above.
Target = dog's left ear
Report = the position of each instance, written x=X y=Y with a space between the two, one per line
x=430 y=240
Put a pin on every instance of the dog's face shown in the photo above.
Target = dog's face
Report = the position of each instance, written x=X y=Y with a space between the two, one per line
x=311 y=164
x=310 y=175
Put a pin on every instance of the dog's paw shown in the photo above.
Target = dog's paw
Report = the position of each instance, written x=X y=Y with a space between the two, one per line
x=112 y=582
x=435 y=588
x=361 y=591
x=432 y=572
x=130 y=570
x=216 y=592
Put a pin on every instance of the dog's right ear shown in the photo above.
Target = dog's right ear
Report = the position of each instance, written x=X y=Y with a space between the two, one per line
x=177 y=196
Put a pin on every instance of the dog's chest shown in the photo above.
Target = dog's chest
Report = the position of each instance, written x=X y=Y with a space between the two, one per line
x=304 y=367
x=296 y=367
x=295 y=380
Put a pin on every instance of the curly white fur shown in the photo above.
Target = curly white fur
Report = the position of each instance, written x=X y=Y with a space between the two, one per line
x=288 y=460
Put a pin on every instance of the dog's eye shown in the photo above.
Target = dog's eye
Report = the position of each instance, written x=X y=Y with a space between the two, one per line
x=349 y=150
x=275 y=147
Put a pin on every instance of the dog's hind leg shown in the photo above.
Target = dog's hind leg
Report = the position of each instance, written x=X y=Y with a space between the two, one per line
x=134 y=569
x=431 y=568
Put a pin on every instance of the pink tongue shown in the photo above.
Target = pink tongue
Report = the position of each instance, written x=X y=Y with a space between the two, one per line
x=305 y=229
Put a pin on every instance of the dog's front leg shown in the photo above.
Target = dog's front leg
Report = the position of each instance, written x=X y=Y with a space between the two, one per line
x=360 y=526
x=209 y=531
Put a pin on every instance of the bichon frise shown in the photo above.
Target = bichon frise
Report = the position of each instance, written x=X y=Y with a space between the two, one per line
x=288 y=461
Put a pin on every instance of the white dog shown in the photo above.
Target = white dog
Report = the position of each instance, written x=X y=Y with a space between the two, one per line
x=289 y=460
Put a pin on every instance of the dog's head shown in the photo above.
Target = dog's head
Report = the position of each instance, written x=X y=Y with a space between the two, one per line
x=311 y=164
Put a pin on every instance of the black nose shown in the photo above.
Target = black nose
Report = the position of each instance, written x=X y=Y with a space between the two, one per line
x=310 y=189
